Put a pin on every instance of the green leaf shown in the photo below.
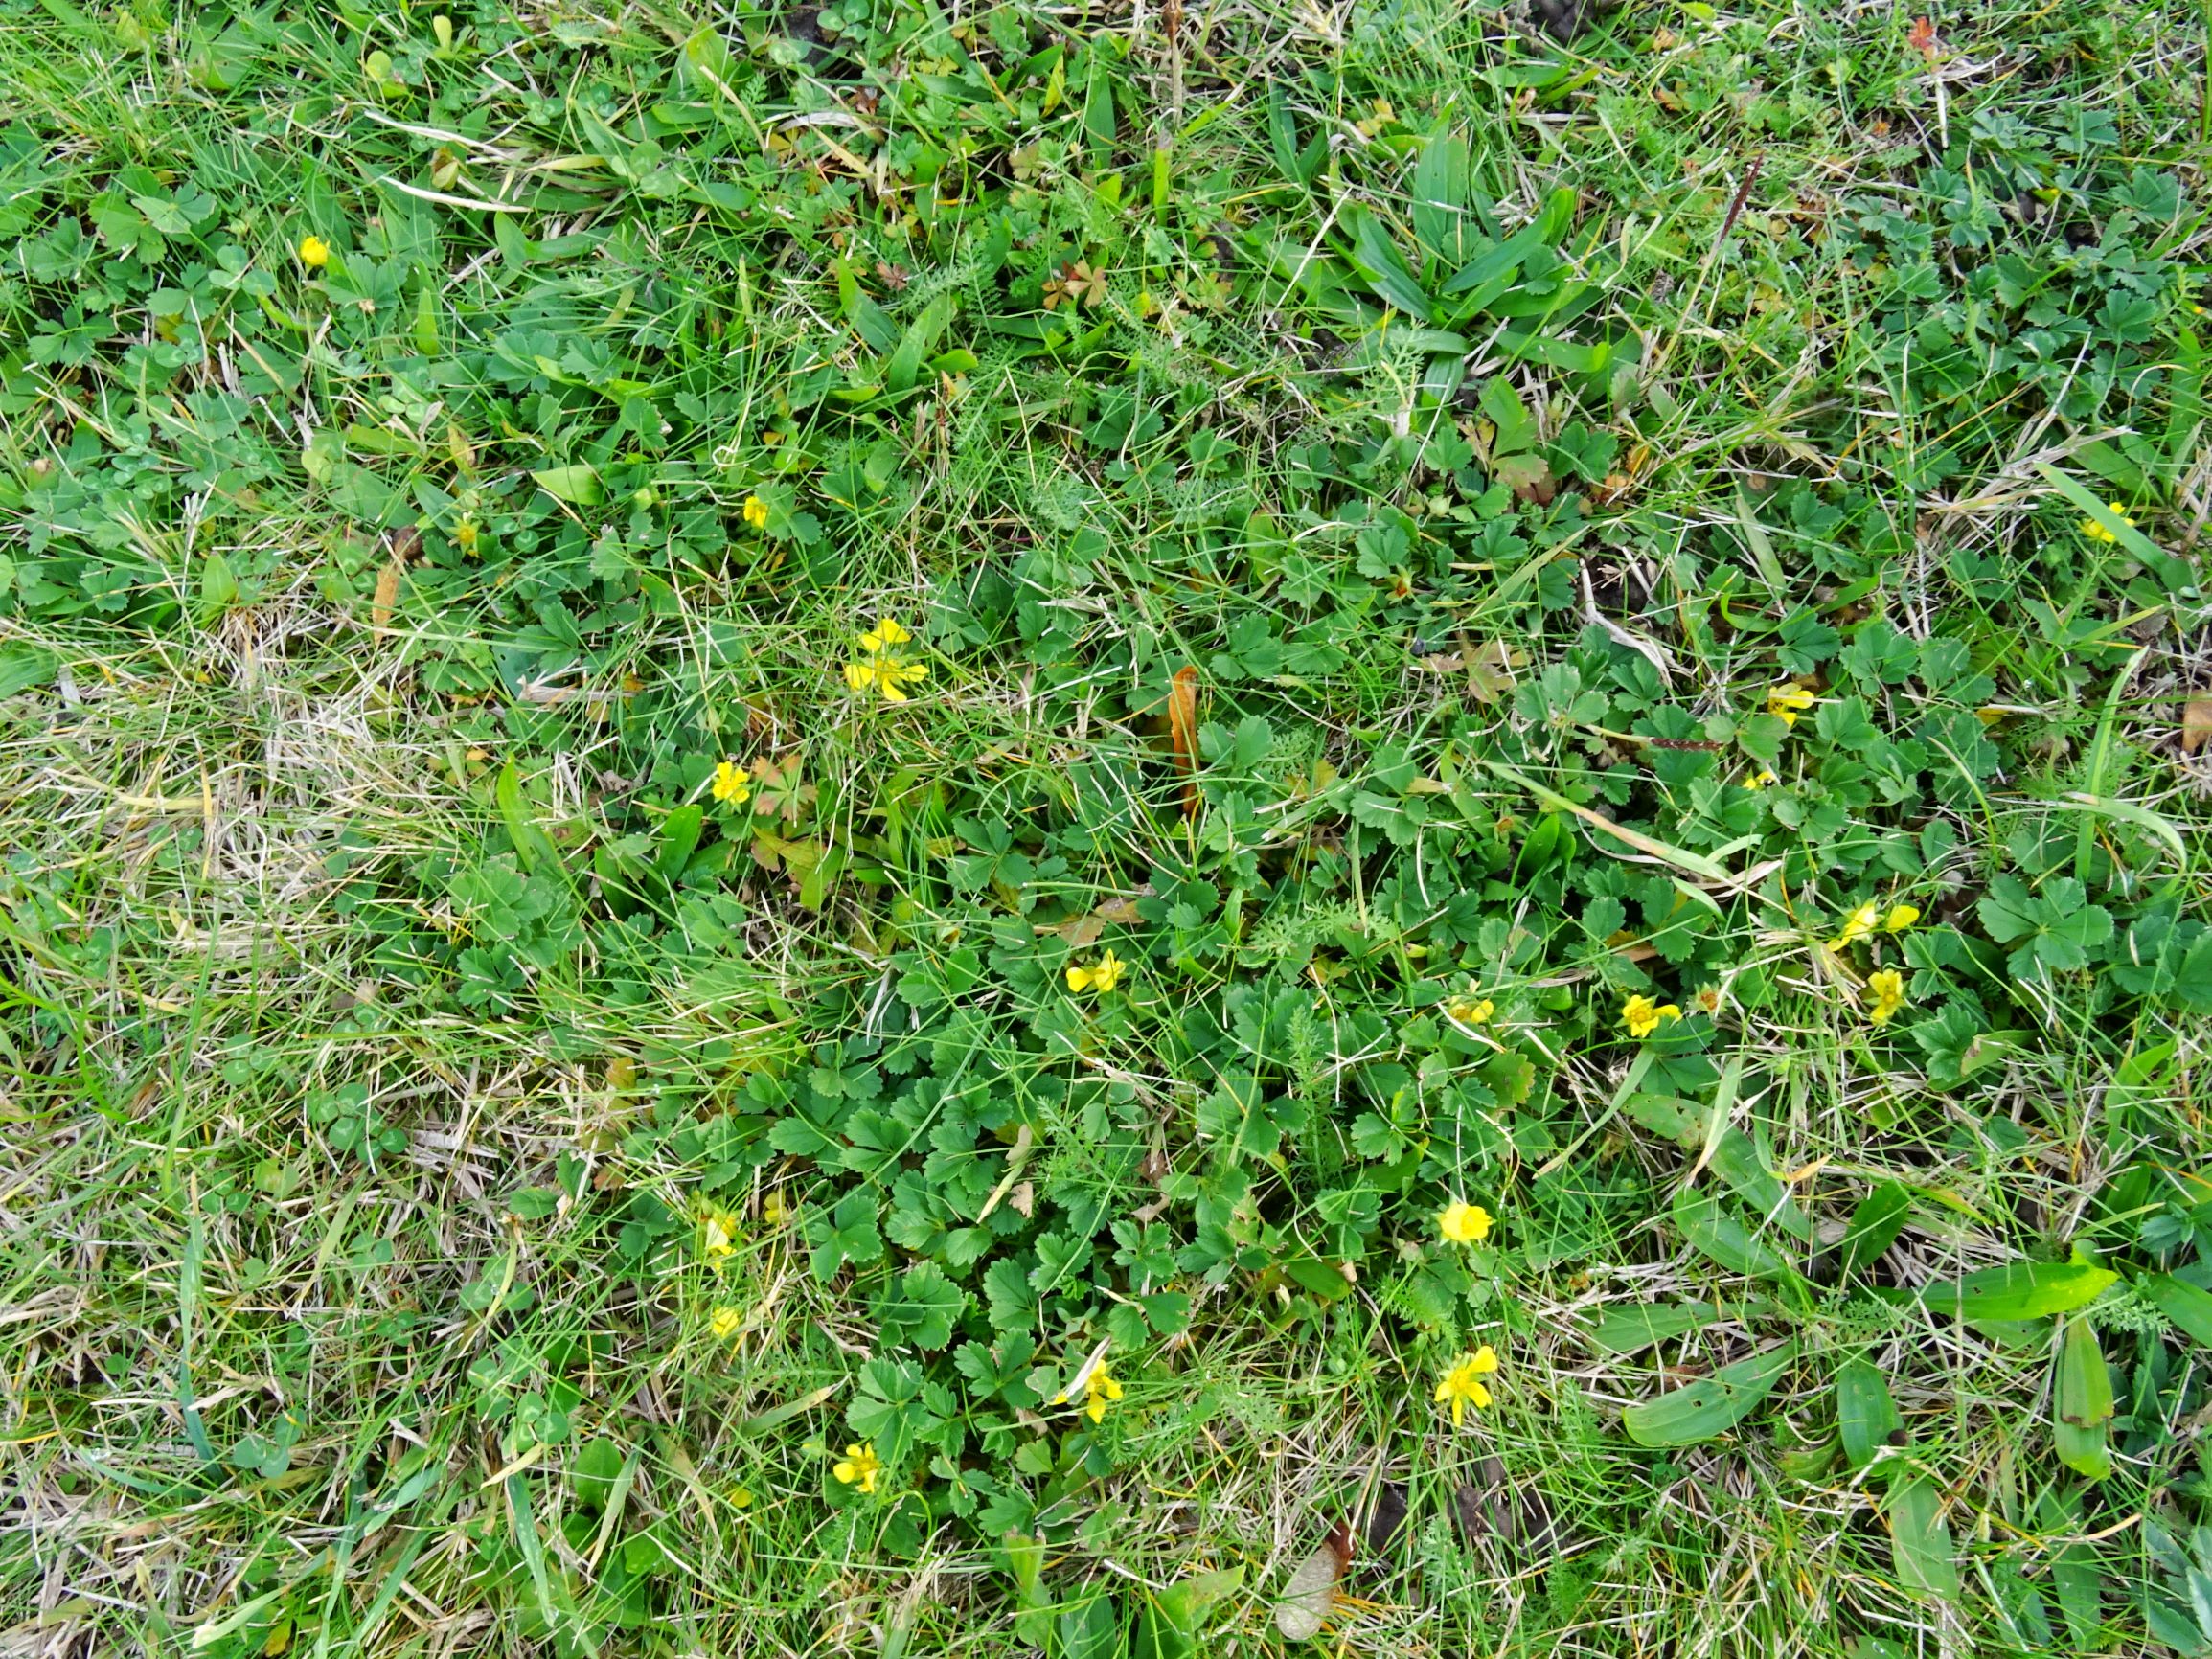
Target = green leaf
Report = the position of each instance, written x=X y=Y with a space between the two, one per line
x=1317 y=1279
x=1441 y=184
x=577 y=484
x=1920 y=1545
x=2080 y=1429
x=2018 y=1290
x=1711 y=1405
x=1720 y=1236
x=924 y=1312
x=1866 y=1417
x=904 y=365
x=1375 y=256
x=1631 y=1329
x=1874 y=1225
x=533 y=846
x=679 y=838
x=1169 y=1626
x=2187 y=1306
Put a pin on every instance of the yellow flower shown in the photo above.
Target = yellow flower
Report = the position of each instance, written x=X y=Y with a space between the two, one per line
x=731 y=785
x=1101 y=976
x=882 y=667
x=1470 y=1010
x=1098 y=1393
x=891 y=678
x=859 y=1465
x=884 y=635
x=1643 y=1016
x=1885 y=990
x=773 y=1210
x=1463 y=1224
x=726 y=1320
x=1857 y=926
x=2096 y=532
x=465 y=536
x=1760 y=780
x=1900 y=918
x=1462 y=1384
x=721 y=1234
x=314 y=253
x=1787 y=702
x=756 y=512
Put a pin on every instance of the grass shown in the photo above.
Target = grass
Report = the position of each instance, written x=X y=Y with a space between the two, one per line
x=468 y=1183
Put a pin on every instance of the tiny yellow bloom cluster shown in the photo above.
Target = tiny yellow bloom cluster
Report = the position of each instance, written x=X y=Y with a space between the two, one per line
x=732 y=787
x=881 y=665
x=2096 y=532
x=1463 y=1385
x=314 y=252
x=859 y=1466
x=756 y=512
x=1643 y=1015
x=1463 y=1224
x=1101 y=976
x=1885 y=994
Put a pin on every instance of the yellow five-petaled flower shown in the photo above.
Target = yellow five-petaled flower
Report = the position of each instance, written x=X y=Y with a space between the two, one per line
x=314 y=252
x=859 y=1466
x=1643 y=1015
x=731 y=785
x=1101 y=976
x=1463 y=1224
x=882 y=666
x=1787 y=702
x=1885 y=994
x=1463 y=1386
x=756 y=512
x=726 y=1320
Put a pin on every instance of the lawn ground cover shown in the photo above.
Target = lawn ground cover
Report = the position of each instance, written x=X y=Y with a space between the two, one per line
x=1118 y=831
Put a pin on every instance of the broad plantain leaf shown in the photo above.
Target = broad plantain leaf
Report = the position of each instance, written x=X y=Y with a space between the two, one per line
x=1712 y=1404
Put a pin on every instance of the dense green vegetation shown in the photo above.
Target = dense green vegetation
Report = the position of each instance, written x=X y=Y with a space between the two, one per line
x=866 y=830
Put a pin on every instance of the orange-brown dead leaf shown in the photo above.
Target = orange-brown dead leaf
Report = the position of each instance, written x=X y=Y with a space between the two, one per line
x=2196 y=722
x=1183 y=730
x=387 y=598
